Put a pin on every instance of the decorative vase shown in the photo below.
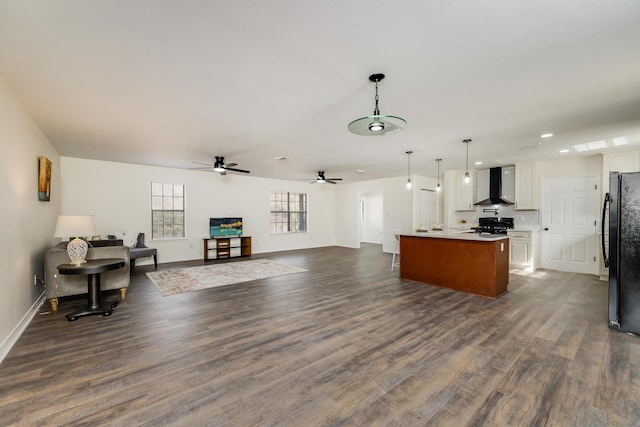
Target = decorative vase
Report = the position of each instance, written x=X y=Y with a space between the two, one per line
x=77 y=250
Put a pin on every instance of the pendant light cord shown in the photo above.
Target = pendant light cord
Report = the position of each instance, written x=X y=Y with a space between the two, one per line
x=376 y=112
x=466 y=142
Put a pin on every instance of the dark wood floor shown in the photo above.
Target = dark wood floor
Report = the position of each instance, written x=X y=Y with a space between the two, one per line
x=346 y=343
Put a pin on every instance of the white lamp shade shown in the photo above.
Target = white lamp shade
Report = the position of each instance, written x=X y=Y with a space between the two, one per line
x=74 y=226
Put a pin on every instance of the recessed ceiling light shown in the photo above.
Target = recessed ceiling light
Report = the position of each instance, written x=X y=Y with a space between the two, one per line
x=281 y=157
x=546 y=135
x=360 y=170
x=478 y=163
x=564 y=150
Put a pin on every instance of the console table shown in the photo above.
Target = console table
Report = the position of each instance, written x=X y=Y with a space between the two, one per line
x=93 y=268
x=224 y=245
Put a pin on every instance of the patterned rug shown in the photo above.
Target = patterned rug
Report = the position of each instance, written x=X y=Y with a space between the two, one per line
x=178 y=280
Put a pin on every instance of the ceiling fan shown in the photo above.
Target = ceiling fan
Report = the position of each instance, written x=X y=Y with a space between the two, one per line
x=221 y=167
x=320 y=179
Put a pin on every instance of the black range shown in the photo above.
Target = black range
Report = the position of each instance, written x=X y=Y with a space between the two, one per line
x=494 y=225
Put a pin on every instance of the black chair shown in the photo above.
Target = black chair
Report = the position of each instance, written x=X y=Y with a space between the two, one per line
x=140 y=250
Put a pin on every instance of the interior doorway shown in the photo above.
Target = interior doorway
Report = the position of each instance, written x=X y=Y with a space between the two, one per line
x=569 y=224
x=370 y=217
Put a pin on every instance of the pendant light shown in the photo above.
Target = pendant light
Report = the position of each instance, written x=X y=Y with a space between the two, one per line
x=409 y=169
x=377 y=124
x=438 y=188
x=467 y=178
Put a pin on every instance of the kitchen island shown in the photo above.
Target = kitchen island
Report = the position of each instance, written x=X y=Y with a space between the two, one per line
x=468 y=262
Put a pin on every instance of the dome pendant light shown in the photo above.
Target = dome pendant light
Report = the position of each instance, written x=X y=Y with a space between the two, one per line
x=409 y=169
x=377 y=124
x=438 y=188
x=467 y=178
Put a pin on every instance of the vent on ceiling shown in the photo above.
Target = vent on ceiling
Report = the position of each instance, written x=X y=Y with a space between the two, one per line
x=530 y=145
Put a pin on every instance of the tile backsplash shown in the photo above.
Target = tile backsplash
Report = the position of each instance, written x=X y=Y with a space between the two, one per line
x=520 y=218
x=527 y=218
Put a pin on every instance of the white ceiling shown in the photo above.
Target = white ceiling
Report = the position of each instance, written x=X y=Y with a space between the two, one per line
x=166 y=82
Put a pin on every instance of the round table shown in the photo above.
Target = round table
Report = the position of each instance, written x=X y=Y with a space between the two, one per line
x=92 y=268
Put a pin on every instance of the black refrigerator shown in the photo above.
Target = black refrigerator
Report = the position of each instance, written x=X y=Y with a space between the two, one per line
x=623 y=257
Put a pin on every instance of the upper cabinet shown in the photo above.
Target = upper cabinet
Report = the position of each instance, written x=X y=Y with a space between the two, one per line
x=622 y=161
x=464 y=194
x=527 y=194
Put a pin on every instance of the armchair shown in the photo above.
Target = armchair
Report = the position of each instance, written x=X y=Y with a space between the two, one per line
x=140 y=250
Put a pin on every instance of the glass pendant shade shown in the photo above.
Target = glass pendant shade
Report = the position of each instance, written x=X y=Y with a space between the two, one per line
x=376 y=124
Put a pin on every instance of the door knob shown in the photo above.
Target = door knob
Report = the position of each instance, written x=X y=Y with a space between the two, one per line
x=546 y=229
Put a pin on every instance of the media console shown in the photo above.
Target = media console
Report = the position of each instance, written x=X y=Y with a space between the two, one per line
x=241 y=246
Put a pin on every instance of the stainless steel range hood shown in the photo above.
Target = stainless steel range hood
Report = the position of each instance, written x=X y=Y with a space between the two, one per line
x=495 y=189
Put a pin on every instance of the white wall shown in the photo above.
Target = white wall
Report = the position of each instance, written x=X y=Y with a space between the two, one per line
x=118 y=195
x=397 y=210
x=27 y=223
x=574 y=167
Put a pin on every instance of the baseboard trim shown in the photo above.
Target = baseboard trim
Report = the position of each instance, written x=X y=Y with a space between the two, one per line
x=10 y=341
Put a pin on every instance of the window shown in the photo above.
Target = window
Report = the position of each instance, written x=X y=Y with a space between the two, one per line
x=288 y=212
x=167 y=211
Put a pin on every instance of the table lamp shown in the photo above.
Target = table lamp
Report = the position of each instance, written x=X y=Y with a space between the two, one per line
x=75 y=226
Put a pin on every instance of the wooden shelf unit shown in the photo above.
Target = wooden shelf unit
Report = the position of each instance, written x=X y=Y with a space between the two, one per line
x=224 y=245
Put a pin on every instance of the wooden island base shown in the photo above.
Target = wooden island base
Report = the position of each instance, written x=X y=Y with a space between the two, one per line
x=478 y=266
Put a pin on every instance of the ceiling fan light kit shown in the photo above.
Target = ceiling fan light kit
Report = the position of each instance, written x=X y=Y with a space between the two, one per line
x=221 y=167
x=320 y=179
x=377 y=124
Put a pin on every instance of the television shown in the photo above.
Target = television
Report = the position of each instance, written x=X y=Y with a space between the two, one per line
x=220 y=227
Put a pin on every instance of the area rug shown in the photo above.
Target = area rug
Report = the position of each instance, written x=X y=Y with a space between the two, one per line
x=178 y=280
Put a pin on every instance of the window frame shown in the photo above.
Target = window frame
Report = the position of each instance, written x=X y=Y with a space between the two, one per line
x=175 y=196
x=288 y=213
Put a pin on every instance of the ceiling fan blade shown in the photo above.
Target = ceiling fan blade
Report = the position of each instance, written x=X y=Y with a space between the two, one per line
x=333 y=179
x=222 y=173
x=237 y=170
x=230 y=165
x=206 y=164
x=329 y=181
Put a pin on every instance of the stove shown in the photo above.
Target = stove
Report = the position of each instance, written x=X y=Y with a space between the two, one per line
x=494 y=225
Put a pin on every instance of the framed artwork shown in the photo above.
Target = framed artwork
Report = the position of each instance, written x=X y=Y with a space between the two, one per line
x=44 y=179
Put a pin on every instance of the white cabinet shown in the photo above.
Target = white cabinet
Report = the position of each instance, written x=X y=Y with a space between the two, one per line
x=465 y=192
x=527 y=194
x=523 y=247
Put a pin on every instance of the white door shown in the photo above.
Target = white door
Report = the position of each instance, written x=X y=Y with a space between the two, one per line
x=569 y=212
x=371 y=217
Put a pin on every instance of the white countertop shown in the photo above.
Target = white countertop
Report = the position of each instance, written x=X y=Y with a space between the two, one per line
x=456 y=235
